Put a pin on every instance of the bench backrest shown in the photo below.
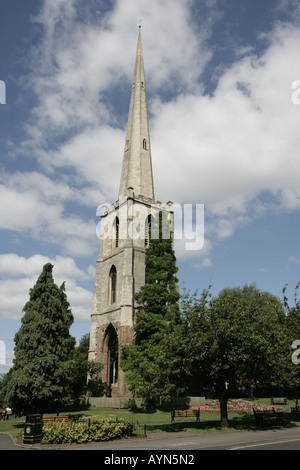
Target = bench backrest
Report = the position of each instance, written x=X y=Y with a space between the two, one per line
x=51 y=419
x=185 y=413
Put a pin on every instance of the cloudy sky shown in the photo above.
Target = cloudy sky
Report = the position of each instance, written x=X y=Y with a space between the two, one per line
x=224 y=113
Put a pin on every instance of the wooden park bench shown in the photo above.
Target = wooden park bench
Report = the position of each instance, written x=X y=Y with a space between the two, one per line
x=267 y=415
x=278 y=401
x=55 y=419
x=185 y=414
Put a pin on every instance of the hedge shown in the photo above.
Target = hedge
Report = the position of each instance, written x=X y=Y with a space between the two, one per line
x=96 y=429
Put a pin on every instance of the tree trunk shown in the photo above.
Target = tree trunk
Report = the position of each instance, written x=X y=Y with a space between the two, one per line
x=223 y=412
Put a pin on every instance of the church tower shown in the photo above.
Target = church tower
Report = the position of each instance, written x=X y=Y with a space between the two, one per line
x=124 y=238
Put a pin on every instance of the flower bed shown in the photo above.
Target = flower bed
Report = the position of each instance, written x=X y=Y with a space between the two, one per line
x=237 y=406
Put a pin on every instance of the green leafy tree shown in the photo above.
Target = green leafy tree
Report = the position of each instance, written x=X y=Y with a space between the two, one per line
x=1 y=391
x=235 y=342
x=83 y=368
x=80 y=368
x=40 y=379
x=156 y=316
x=65 y=323
x=293 y=327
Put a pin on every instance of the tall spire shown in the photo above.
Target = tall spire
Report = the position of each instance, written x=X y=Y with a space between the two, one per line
x=137 y=164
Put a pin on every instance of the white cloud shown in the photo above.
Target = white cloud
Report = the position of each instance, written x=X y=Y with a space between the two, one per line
x=13 y=296
x=96 y=155
x=75 y=66
x=19 y=274
x=230 y=149
x=37 y=205
x=78 y=62
x=206 y=263
x=293 y=259
x=13 y=265
x=226 y=150
x=291 y=8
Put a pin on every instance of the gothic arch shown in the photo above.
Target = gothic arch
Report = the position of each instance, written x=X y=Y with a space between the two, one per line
x=112 y=287
x=116 y=232
x=111 y=357
x=148 y=226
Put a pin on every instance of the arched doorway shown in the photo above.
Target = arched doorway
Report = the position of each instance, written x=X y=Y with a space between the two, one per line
x=111 y=357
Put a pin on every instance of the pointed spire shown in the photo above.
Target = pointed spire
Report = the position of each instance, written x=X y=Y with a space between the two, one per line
x=137 y=164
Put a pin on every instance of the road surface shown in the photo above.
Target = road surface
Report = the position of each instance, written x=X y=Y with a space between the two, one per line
x=272 y=439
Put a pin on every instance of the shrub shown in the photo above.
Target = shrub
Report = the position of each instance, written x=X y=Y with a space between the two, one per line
x=97 y=429
x=131 y=405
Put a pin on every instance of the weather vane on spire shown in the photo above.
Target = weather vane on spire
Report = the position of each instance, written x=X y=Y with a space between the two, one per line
x=140 y=23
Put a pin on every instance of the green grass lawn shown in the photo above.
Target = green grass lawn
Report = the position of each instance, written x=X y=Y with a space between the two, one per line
x=160 y=421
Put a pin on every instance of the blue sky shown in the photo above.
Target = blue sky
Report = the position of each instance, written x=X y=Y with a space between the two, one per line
x=224 y=133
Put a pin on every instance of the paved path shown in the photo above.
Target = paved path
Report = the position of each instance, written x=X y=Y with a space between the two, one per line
x=186 y=441
x=182 y=441
x=6 y=443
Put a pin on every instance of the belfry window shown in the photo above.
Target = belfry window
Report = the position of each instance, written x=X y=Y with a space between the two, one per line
x=112 y=285
x=145 y=144
x=116 y=231
x=148 y=231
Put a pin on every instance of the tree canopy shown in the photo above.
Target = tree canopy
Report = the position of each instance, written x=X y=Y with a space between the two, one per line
x=40 y=377
x=236 y=342
x=157 y=313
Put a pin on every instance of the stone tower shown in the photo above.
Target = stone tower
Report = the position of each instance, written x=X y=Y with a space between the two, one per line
x=124 y=237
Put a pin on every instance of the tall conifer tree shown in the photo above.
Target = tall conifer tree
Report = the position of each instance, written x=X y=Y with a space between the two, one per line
x=39 y=378
x=156 y=315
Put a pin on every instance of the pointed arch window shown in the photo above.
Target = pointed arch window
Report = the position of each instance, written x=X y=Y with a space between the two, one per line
x=148 y=226
x=116 y=232
x=112 y=295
